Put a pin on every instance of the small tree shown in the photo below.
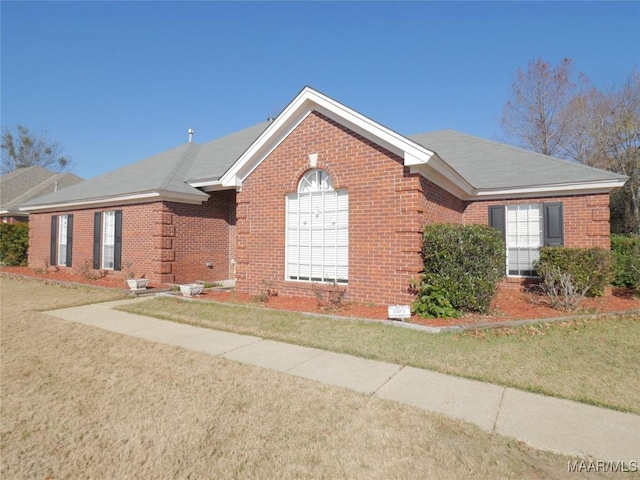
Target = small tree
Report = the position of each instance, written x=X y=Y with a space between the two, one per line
x=604 y=132
x=551 y=113
x=21 y=148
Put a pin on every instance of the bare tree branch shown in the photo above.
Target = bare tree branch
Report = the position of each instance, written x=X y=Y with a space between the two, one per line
x=533 y=116
x=21 y=148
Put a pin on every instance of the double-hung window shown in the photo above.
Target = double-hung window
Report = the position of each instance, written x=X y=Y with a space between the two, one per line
x=63 y=222
x=526 y=228
x=61 y=240
x=523 y=238
x=317 y=231
x=107 y=240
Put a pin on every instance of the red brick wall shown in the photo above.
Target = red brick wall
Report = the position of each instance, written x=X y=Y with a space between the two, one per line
x=387 y=208
x=139 y=242
x=164 y=241
x=586 y=217
x=202 y=235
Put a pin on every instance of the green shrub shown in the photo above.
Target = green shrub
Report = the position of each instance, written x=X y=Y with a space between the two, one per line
x=463 y=263
x=626 y=251
x=14 y=243
x=590 y=269
x=432 y=302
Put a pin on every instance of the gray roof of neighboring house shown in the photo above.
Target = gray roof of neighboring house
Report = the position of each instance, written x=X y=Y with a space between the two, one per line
x=168 y=171
x=24 y=184
x=486 y=164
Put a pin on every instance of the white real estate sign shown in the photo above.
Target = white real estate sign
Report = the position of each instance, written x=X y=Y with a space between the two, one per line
x=399 y=312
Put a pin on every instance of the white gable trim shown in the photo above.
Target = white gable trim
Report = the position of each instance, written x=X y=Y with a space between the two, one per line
x=420 y=159
x=307 y=101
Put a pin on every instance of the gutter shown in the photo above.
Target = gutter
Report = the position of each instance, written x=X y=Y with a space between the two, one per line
x=143 y=197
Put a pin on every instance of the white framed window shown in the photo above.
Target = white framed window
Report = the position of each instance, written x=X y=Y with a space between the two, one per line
x=63 y=222
x=524 y=236
x=108 y=240
x=317 y=231
x=525 y=228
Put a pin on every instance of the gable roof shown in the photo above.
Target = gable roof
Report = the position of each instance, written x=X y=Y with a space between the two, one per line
x=307 y=101
x=24 y=184
x=468 y=167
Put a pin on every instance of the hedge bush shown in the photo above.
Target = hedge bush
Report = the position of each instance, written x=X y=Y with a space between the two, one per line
x=14 y=242
x=626 y=251
x=590 y=269
x=463 y=263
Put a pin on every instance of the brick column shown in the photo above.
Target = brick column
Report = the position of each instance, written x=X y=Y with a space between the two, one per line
x=597 y=216
x=408 y=231
x=164 y=241
x=242 y=237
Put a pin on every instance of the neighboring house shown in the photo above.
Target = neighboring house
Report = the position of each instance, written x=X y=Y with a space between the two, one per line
x=319 y=195
x=24 y=184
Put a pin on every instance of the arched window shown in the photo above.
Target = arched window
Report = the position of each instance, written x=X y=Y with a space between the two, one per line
x=315 y=180
x=317 y=230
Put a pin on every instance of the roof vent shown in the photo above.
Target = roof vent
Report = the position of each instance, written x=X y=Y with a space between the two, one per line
x=190 y=132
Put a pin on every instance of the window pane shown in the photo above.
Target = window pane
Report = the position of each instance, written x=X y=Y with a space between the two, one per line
x=62 y=239
x=108 y=256
x=315 y=181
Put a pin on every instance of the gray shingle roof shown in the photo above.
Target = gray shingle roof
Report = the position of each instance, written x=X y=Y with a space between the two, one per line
x=486 y=164
x=216 y=157
x=24 y=184
x=160 y=172
x=168 y=171
x=482 y=163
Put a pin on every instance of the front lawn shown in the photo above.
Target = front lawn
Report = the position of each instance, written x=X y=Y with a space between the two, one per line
x=595 y=361
x=80 y=402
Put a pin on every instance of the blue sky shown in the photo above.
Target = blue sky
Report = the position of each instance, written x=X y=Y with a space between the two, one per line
x=116 y=82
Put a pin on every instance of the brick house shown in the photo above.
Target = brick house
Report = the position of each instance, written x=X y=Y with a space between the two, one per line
x=319 y=195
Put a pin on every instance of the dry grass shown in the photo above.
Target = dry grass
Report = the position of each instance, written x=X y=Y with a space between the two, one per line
x=595 y=361
x=79 y=402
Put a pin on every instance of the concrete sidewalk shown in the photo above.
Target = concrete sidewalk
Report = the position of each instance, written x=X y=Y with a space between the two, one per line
x=544 y=422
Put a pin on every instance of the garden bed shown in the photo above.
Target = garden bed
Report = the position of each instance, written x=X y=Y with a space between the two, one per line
x=509 y=303
x=114 y=281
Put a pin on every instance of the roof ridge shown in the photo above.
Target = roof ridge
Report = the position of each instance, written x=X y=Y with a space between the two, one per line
x=26 y=193
x=21 y=171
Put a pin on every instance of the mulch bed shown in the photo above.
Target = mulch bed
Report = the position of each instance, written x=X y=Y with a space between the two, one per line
x=509 y=304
